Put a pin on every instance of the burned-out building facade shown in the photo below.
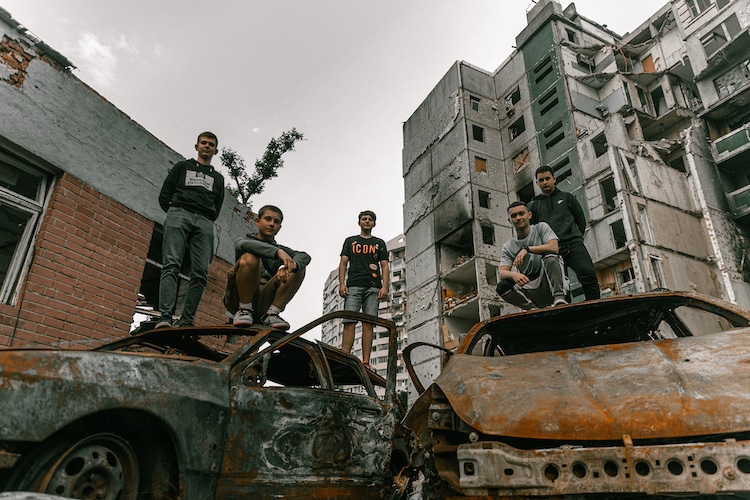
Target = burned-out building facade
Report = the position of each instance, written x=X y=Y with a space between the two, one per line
x=650 y=131
x=80 y=237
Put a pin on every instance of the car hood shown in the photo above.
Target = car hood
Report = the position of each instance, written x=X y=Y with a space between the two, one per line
x=648 y=390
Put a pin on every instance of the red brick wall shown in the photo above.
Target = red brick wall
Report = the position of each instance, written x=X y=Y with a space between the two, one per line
x=83 y=283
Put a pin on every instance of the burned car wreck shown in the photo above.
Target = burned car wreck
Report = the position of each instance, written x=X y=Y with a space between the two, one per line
x=632 y=396
x=165 y=415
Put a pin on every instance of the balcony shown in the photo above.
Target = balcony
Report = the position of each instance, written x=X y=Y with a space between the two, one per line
x=739 y=202
x=732 y=144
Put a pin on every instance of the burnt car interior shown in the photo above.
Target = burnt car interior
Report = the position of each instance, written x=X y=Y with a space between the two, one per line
x=572 y=327
x=289 y=365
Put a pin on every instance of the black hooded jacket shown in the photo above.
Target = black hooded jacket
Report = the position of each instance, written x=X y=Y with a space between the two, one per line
x=562 y=212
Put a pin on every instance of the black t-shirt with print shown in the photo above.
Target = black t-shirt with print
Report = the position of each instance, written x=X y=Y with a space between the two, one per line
x=364 y=256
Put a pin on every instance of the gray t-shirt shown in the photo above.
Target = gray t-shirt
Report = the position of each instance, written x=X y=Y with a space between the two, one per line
x=539 y=234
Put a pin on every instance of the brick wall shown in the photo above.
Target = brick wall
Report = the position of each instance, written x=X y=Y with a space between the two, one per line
x=82 y=286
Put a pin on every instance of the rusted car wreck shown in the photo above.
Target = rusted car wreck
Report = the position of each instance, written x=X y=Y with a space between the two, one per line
x=164 y=415
x=634 y=396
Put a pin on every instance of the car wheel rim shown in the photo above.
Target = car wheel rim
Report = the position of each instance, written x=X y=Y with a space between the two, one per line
x=99 y=467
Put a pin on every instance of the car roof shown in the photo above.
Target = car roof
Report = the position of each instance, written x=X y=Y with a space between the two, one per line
x=613 y=320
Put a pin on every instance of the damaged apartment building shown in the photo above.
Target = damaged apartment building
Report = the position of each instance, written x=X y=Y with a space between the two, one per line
x=650 y=131
x=80 y=224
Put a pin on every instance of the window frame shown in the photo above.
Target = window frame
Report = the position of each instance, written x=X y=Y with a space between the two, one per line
x=36 y=208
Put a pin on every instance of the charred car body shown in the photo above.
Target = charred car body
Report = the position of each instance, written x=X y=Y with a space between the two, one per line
x=164 y=415
x=628 y=396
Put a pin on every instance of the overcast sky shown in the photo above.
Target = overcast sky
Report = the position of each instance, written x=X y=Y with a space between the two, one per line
x=345 y=73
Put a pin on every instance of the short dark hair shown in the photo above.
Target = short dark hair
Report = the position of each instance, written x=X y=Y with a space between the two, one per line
x=518 y=204
x=366 y=212
x=210 y=135
x=270 y=208
x=542 y=169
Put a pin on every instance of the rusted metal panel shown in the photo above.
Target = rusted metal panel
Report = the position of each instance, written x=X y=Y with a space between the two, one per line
x=286 y=438
x=642 y=395
x=685 y=387
x=704 y=468
x=178 y=419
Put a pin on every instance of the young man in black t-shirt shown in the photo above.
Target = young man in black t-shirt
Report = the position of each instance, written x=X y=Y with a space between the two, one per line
x=367 y=282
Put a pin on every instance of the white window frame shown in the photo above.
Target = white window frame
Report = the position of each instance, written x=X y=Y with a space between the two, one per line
x=19 y=263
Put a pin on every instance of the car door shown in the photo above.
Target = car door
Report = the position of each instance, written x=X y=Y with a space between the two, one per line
x=305 y=423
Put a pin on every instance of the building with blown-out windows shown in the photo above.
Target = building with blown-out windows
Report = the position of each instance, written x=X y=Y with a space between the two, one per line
x=649 y=130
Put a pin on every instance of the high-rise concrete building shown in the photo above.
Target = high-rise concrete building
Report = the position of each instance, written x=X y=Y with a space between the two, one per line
x=650 y=131
x=393 y=308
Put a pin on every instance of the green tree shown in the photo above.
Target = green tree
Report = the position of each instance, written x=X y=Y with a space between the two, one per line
x=266 y=167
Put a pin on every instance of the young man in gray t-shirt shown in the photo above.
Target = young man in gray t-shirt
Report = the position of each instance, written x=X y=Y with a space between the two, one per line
x=538 y=279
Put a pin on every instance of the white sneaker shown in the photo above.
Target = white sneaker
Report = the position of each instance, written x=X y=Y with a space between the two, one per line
x=273 y=320
x=243 y=317
x=559 y=302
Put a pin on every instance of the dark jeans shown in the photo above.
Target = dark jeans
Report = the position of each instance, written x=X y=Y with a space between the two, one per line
x=185 y=231
x=578 y=259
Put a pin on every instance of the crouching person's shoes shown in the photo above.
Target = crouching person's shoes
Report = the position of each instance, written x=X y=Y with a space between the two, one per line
x=243 y=317
x=273 y=320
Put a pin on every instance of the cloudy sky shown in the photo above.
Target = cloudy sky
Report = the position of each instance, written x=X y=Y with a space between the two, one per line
x=345 y=73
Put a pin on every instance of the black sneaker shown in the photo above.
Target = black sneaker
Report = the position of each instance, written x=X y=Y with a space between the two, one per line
x=164 y=321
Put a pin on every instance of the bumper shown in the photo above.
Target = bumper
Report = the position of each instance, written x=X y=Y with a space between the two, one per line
x=493 y=468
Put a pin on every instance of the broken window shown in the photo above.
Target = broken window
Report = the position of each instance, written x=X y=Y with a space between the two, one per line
x=625 y=278
x=609 y=194
x=477 y=133
x=644 y=225
x=572 y=36
x=511 y=100
x=713 y=41
x=657 y=270
x=490 y=272
x=484 y=199
x=677 y=163
x=734 y=79
x=586 y=62
x=698 y=6
x=618 y=233
x=480 y=164
x=600 y=144
x=516 y=128
x=474 y=103
x=660 y=103
x=521 y=160
x=526 y=193
x=643 y=99
x=23 y=189
x=488 y=235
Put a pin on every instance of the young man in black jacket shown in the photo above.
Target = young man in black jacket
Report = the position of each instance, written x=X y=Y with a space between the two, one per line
x=266 y=275
x=192 y=195
x=565 y=216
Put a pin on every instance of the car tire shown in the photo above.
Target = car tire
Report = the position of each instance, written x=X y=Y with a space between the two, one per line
x=101 y=465
x=144 y=453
